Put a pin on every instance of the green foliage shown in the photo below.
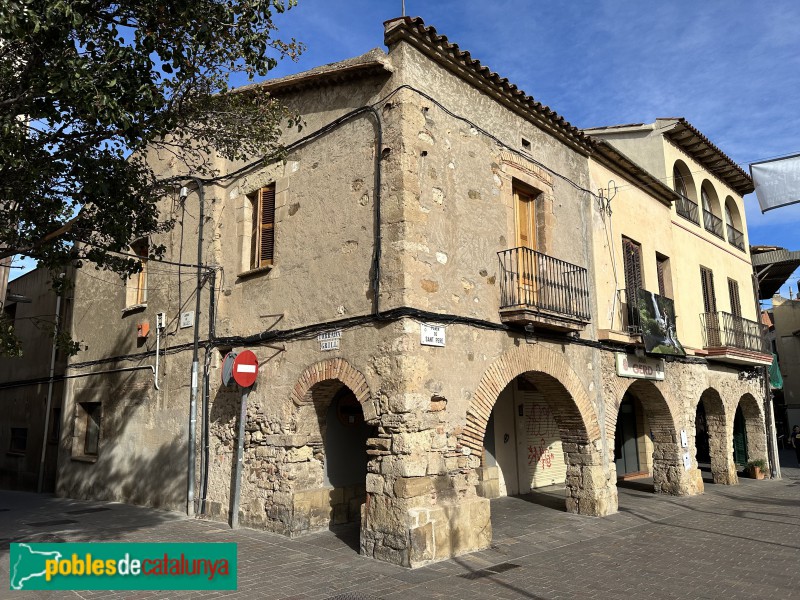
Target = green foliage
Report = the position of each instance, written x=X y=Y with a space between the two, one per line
x=88 y=86
x=9 y=344
x=759 y=463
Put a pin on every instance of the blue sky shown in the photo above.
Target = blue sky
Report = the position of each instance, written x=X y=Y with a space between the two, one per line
x=731 y=68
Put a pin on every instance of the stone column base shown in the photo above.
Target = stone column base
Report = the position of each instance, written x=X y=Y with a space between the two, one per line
x=420 y=535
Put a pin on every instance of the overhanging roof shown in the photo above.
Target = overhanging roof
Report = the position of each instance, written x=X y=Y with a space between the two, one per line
x=689 y=139
x=373 y=62
x=774 y=266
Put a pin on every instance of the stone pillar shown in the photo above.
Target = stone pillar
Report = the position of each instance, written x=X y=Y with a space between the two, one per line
x=720 y=443
x=422 y=505
x=590 y=489
x=669 y=474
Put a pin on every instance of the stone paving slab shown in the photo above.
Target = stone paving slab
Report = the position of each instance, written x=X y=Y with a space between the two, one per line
x=733 y=542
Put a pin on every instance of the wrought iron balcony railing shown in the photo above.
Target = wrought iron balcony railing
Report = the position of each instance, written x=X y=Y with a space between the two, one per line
x=735 y=237
x=687 y=209
x=722 y=329
x=712 y=223
x=530 y=279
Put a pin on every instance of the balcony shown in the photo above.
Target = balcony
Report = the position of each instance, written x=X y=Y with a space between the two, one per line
x=687 y=209
x=543 y=291
x=731 y=339
x=735 y=237
x=712 y=223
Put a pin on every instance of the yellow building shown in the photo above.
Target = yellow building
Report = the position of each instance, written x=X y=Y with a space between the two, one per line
x=670 y=220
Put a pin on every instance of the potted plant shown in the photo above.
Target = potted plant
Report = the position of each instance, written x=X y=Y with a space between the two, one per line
x=757 y=468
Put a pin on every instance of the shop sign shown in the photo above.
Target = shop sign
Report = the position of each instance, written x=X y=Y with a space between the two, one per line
x=630 y=365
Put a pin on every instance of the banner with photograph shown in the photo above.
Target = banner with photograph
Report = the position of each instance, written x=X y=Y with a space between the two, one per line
x=657 y=318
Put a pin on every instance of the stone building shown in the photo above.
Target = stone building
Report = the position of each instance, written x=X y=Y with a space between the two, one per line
x=423 y=280
x=25 y=385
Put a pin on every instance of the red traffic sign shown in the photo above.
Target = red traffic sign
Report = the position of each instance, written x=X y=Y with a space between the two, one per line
x=245 y=368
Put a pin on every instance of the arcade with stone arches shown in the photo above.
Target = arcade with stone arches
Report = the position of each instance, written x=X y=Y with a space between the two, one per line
x=533 y=425
x=728 y=435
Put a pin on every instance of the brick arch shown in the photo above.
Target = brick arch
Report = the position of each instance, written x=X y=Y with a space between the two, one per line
x=548 y=371
x=720 y=440
x=587 y=490
x=333 y=372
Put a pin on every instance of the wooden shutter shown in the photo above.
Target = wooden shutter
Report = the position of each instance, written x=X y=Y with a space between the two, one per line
x=709 y=299
x=262 y=241
x=661 y=267
x=733 y=292
x=632 y=258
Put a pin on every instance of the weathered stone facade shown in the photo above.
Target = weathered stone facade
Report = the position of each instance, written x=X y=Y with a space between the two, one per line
x=384 y=429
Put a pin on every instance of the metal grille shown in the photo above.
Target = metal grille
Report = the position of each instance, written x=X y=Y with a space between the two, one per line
x=533 y=279
x=712 y=223
x=687 y=209
x=735 y=237
x=722 y=329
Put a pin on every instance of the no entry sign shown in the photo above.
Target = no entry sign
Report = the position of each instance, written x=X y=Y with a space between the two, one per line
x=245 y=368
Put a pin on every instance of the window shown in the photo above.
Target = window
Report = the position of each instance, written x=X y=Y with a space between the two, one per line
x=632 y=261
x=262 y=244
x=709 y=298
x=680 y=184
x=55 y=425
x=664 y=277
x=136 y=292
x=733 y=293
x=525 y=201
x=90 y=416
x=19 y=440
x=710 y=316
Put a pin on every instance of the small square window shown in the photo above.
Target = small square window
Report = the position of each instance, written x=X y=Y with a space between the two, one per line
x=19 y=440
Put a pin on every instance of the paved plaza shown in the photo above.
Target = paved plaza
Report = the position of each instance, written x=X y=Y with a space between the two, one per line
x=732 y=542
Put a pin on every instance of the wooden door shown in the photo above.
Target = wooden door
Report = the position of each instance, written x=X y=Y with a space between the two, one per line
x=526 y=243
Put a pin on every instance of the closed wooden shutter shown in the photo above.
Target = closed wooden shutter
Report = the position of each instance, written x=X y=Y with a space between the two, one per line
x=709 y=299
x=262 y=241
x=661 y=270
x=712 y=322
x=733 y=292
x=632 y=260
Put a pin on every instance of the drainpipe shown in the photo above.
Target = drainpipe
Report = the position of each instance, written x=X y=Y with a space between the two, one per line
x=49 y=402
x=192 y=450
x=769 y=420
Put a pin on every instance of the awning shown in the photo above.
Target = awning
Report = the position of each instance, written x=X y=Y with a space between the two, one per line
x=773 y=268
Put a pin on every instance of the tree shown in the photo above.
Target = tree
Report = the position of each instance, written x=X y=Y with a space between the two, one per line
x=87 y=85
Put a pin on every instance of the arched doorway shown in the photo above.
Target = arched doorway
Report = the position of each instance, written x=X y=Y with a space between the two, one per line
x=323 y=472
x=712 y=442
x=522 y=449
x=647 y=443
x=749 y=435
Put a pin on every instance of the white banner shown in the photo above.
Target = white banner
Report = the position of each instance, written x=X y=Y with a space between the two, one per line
x=777 y=182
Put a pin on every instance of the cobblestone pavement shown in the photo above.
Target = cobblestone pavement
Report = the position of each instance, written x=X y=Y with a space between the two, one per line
x=732 y=542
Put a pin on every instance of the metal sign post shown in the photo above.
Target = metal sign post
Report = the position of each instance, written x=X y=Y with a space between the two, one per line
x=245 y=372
